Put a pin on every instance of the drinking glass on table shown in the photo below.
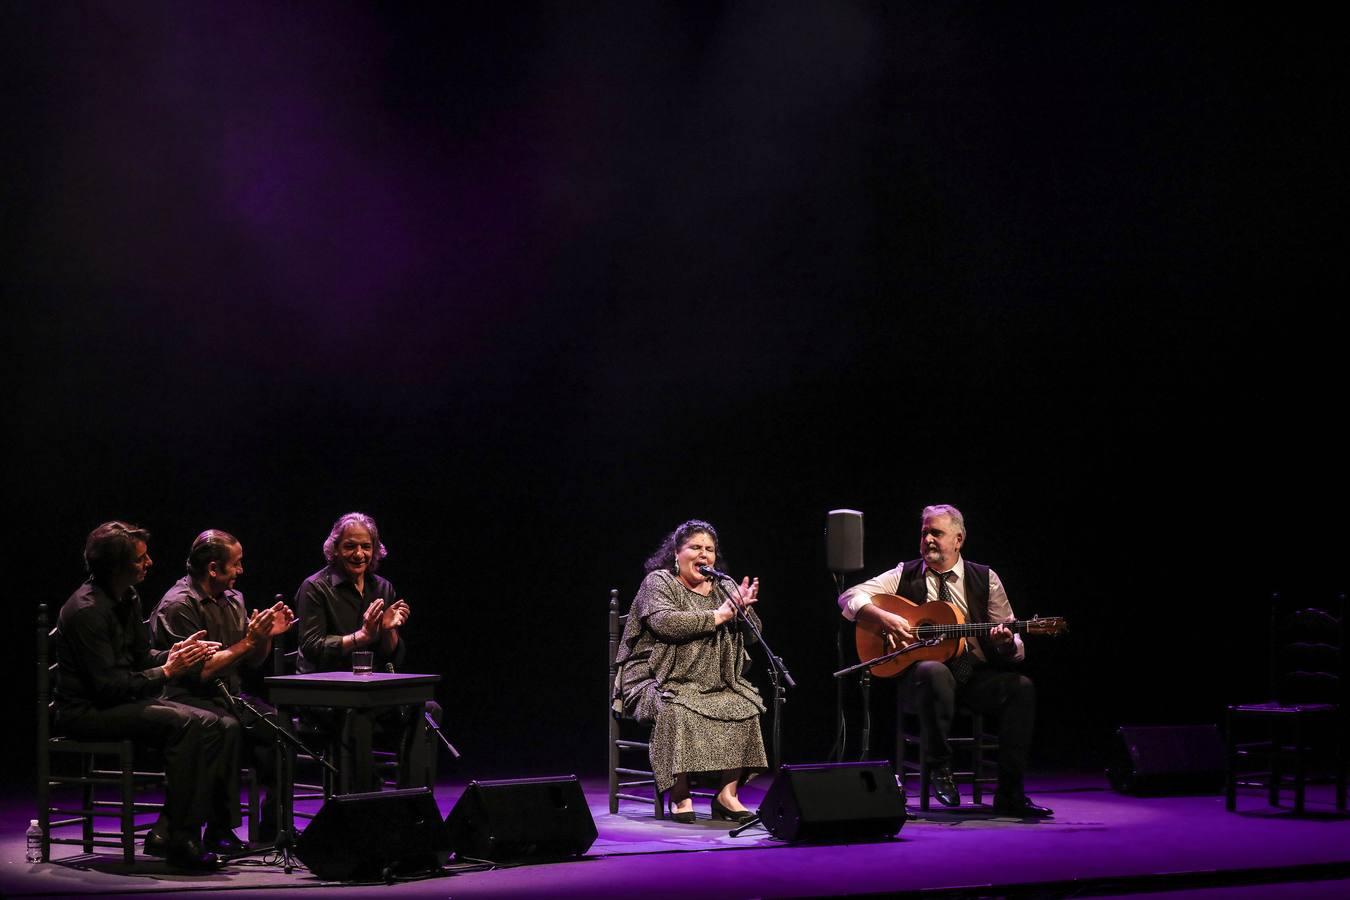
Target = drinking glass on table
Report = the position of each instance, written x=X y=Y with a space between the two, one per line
x=362 y=662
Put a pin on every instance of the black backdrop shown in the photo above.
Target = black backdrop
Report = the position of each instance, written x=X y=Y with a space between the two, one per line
x=532 y=285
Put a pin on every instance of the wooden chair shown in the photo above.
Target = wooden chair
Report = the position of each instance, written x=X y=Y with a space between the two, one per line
x=973 y=747
x=64 y=763
x=620 y=789
x=637 y=779
x=1307 y=714
x=87 y=766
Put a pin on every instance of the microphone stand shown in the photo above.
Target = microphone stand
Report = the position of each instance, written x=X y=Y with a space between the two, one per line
x=778 y=675
x=839 y=749
x=431 y=723
x=436 y=729
x=878 y=660
x=285 y=841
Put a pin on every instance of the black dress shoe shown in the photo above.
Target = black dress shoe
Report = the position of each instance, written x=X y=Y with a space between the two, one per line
x=944 y=787
x=721 y=814
x=223 y=842
x=1021 y=808
x=156 y=843
x=684 y=818
x=189 y=855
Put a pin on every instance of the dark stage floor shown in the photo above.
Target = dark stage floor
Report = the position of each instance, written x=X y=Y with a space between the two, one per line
x=1098 y=844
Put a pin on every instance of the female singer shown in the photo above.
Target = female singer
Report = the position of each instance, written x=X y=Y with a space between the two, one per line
x=680 y=663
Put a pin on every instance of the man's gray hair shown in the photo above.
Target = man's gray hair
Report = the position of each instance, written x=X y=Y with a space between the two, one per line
x=330 y=546
x=945 y=509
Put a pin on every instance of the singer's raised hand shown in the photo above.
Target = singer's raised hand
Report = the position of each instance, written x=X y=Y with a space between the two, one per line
x=749 y=595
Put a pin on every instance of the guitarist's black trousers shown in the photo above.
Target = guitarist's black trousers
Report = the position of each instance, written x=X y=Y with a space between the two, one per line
x=930 y=689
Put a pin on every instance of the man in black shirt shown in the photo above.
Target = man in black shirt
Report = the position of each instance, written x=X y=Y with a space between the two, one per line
x=346 y=607
x=109 y=685
x=205 y=600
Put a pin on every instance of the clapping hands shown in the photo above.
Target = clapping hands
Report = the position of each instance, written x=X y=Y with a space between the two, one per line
x=266 y=624
x=396 y=615
x=379 y=619
x=188 y=653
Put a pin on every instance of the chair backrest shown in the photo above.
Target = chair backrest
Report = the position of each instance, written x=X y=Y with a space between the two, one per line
x=1308 y=654
x=46 y=636
x=283 y=660
x=616 y=624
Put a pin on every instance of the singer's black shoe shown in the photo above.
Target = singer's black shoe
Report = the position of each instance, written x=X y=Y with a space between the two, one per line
x=188 y=855
x=1020 y=807
x=223 y=842
x=721 y=814
x=944 y=786
x=156 y=843
x=684 y=818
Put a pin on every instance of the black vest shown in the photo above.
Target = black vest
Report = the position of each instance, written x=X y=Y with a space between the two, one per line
x=914 y=586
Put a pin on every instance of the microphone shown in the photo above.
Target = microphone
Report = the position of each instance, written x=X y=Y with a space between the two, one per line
x=389 y=667
x=710 y=573
x=224 y=692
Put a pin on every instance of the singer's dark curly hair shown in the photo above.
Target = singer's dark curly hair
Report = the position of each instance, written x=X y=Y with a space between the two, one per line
x=664 y=557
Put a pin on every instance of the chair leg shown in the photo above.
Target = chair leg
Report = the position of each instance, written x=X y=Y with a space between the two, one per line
x=253 y=804
x=613 y=765
x=1273 y=789
x=1230 y=776
x=1340 y=768
x=902 y=756
x=45 y=801
x=977 y=755
x=925 y=777
x=87 y=797
x=128 y=787
x=1300 y=768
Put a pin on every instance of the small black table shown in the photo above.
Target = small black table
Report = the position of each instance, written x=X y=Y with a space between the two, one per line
x=343 y=690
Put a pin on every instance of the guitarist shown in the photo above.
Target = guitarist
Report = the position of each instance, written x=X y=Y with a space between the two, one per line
x=978 y=678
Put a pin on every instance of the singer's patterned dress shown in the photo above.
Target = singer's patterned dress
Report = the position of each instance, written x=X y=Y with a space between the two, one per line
x=684 y=674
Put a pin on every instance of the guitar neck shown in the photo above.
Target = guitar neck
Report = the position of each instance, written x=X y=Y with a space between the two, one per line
x=967 y=629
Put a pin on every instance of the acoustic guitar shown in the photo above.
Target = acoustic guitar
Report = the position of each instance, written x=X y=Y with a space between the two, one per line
x=935 y=620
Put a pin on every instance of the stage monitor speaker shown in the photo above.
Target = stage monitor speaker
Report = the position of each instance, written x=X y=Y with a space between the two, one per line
x=844 y=540
x=1167 y=759
x=521 y=818
x=834 y=801
x=364 y=837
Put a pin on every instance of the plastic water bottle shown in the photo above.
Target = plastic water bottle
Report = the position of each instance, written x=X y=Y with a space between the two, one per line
x=34 y=841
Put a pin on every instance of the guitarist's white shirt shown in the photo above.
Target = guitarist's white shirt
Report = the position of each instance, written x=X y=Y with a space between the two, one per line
x=1000 y=610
